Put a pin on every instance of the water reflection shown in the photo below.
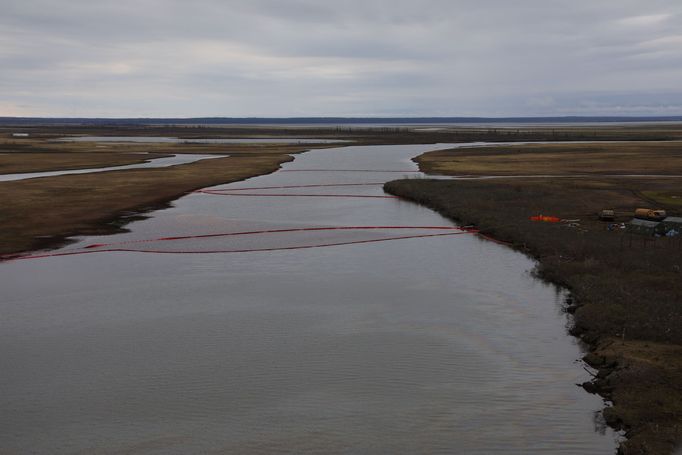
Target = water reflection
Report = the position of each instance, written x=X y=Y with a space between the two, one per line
x=175 y=160
x=176 y=140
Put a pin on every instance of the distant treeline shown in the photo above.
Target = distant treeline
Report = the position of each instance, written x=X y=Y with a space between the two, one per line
x=30 y=121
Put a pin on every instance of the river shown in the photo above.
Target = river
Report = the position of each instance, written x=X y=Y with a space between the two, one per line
x=173 y=160
x=421 y=344
x=176 y=140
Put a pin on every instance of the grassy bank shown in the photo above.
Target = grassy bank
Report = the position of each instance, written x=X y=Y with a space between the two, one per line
x=43 y=154
x=39 y=213
x=36 y=213
x=558 y=159
x=627 y=292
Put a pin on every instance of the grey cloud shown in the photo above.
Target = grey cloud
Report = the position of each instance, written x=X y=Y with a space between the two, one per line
x=371 y=57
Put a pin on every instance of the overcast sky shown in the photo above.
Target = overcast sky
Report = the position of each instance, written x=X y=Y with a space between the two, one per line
x=135 y=58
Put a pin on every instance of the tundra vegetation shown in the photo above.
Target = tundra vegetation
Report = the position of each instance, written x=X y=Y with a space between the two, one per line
x=43 y=212
x=626 y=290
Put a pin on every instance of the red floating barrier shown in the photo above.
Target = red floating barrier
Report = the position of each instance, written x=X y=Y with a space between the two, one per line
x=130 y=246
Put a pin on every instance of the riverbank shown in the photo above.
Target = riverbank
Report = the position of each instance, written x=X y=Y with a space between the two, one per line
x=44 y=154
x=626 y=291
x=41 y=213
x=565 y=159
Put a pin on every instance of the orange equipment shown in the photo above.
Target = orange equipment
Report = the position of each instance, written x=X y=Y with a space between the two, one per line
x=546 y=219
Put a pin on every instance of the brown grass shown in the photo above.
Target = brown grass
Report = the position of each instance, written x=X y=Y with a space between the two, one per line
x=558 y=159
x=644 y=386
x=40 y=155
x=669 y=198
x=41 y=212
x=58 y=207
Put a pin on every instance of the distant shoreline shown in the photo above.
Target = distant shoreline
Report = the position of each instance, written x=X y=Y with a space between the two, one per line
x=537 y=120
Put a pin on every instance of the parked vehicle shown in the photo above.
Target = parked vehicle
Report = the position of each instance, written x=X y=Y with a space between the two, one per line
x=650 y=214
x=644 y=227
x=607 y=215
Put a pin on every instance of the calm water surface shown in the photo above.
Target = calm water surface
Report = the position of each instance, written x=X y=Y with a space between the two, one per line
x=181 y=158
x=175 y=140
x=424 y=345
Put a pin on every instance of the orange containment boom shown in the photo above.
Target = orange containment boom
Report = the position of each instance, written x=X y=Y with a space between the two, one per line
x=546 y=219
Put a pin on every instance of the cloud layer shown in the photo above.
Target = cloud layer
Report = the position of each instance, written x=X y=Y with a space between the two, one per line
x=352 y=58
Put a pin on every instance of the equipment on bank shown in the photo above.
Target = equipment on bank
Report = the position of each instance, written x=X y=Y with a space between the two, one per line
x=546 y=219
x=650 y=214
x=607 y=215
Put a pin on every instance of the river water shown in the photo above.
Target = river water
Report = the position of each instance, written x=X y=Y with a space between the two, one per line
x=175 y=160
x=176 y=140
x=440 y=344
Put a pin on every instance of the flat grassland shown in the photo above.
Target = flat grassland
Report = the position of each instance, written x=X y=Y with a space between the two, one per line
x=606 y=158
x=627 y=290
x=43 y=154
x=42 y=212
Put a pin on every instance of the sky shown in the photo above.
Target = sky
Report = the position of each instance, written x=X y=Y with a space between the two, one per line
x=301 y=58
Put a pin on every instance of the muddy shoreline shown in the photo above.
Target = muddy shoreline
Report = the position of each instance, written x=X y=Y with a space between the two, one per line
x=638 y=375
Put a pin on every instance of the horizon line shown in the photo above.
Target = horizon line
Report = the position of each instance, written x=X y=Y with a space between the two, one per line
x=350 y=119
